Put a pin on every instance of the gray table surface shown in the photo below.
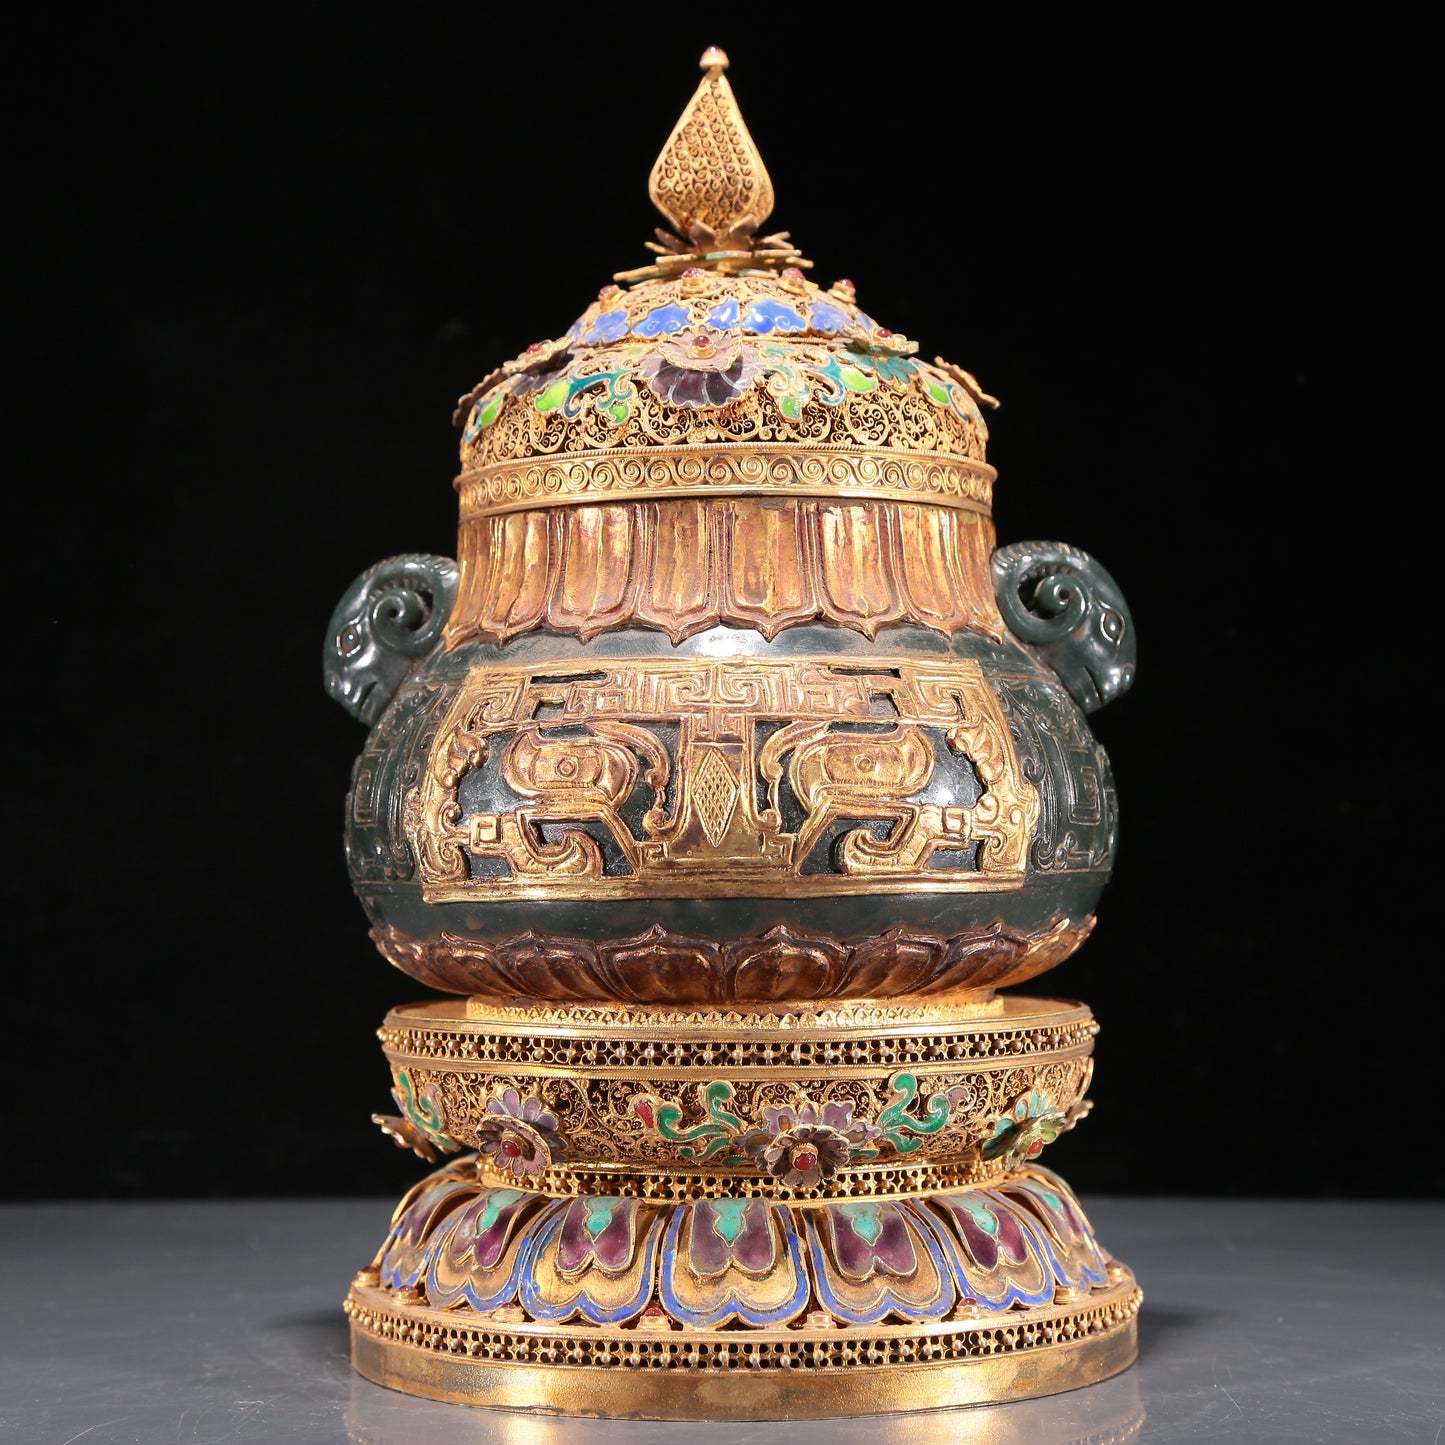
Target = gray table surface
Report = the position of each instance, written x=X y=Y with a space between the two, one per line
x=211 y=1322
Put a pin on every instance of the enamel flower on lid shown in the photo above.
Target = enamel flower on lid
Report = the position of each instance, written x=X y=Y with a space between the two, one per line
x=700 y=368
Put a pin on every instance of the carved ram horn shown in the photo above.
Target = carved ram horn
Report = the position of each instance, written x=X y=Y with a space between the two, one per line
x=1070 y=610
x=390 y=617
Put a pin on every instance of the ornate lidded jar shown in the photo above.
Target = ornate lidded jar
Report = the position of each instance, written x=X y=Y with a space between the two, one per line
x=725 y=776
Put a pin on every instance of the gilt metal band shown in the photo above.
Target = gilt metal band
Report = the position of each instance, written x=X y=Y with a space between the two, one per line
x=869 y=1036
x=675 y=1185
x=797 y=1372
x=662 y=1114
x=949 y=481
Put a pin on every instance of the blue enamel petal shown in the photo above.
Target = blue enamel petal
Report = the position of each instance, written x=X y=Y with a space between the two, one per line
x=766 y=316
x=661 y=321
x=609 y=326
x=452 y=1277
x=542 y=1305
x=868 y=1307
x=828 y=318
x=1060 y=1223
x=724 y=316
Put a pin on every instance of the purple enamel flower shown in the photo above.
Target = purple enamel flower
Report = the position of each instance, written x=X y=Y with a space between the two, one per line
x=803 y=1145
x=519 y=1136
x=701 y=368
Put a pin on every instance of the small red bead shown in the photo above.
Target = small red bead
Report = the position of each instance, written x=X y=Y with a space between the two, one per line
x=535 y=346
x=884 y=331
x=805 y=1159
x=511 y=1147
x=693 y=271
x=792 y=273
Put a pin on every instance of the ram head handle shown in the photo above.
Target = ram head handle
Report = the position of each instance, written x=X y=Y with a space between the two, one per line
x=1068 y=609
x=387 y=621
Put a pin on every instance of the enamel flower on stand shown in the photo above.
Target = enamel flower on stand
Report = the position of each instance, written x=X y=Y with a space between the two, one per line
x=804 y=1145
x=519 y=1136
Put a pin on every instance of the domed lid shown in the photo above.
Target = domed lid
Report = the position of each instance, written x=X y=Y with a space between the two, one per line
x=721 y=366
x=719 y=440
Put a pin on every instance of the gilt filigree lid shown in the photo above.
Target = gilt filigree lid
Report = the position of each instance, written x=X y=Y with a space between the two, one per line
x=721 y=366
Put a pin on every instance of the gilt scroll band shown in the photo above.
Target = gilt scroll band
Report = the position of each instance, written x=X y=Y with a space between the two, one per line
x=951 y=481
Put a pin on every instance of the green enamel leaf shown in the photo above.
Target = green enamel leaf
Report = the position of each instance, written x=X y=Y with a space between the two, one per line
x=856 y=380
x=936 y=390
x=491 y=408
x=790 y=407
x=599 y=1214
x=554 y=395
x=496 y=1203
x=716 y=1095
x=728 y=1217
x=865 y=1217
x=618 y=412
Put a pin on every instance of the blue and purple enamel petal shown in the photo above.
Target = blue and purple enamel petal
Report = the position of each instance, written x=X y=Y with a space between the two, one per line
x=998 y=1258
x=595 y=1257
x=730 y=1259
x=1060 y=1223
x=477 y=1256
x=873 y=1258
x=405 y=1254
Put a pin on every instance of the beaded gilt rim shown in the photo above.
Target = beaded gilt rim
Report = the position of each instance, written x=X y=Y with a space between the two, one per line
x=830 y=1347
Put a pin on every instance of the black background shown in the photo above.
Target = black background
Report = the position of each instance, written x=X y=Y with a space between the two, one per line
x=253 y=267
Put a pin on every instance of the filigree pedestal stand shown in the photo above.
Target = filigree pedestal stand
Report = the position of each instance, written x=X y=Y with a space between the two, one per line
x=783 y=1268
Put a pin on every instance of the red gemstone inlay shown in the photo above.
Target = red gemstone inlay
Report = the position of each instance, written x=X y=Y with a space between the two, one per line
x=512 y=1147
x=791 y=273
x=644 y=1111
x=693 y=271
x=884 y=331
x=1035 y=1148
x=535 y=346
x=805 y=1159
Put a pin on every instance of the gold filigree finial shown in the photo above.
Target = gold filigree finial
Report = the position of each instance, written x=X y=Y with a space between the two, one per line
x=711 y=184
x=710 y=177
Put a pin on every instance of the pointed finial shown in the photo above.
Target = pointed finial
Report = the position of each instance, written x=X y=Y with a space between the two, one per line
x=710 y=181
